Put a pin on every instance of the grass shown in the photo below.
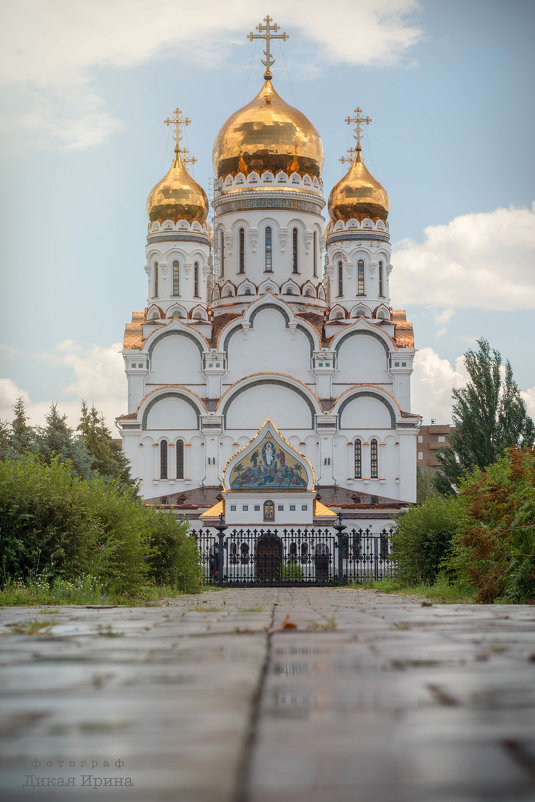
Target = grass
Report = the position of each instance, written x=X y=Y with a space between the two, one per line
x=258 y=609
x=82 y=591
x=329 y=624
x=441 y=590
x=32 y=627
x=109 y=632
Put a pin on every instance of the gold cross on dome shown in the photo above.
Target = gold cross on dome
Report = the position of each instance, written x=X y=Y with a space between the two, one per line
x=358 y=122
x=187 y=159
x=268 y=32
x=350 y=158
x=177 y=122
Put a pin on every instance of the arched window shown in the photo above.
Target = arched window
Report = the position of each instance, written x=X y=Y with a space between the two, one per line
x=381 y=293
x=221 y=253
x=269 y=511
x=358 y=459
x=295 y=252
x=163 y=459
x=374 y=460
x=196 y=280
x=241 y=261
x=268 y=250
x=155 y=274
x=360 y=277
x=340 y=279
x=315 y=253
x=179 y=459
x=176 y=278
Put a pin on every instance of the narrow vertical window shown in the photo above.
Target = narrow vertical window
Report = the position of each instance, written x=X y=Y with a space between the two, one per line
x=267 y=250
x=358 y=459
x=155 y=271
x=340 y=279
x=360 y=277
x=176 y=278
x=241 y=264
x=295 y=252
x=179 y=459
x=163 y=459
x=374 y=463
x=315 y=253
x=196 y=280
x=221 y=253
x=381 y=293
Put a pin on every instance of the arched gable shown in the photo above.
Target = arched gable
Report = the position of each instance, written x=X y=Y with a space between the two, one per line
x=162 y=395
x=387 y=401
x=288 y=383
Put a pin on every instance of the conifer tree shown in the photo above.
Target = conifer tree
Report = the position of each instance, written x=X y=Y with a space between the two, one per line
x=22 y=435
x=489 y=416
x=107 y=457
x=57 y=438
x=5 y=439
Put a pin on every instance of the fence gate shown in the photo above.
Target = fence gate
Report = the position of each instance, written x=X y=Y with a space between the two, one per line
x=292 y=556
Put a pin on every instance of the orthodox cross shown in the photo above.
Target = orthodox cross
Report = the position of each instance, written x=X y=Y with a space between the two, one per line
x=358 y=121
x=177 y=122
x=188 y=159
x=268 y=32
x=350 y=158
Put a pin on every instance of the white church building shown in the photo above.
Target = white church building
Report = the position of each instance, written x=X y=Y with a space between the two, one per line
x=270 y=322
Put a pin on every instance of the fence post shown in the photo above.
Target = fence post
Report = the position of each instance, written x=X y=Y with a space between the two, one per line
x=339 y=526
x=221 y=527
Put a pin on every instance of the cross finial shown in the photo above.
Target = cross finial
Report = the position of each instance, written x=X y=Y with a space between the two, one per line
x=358 y=120
x=350 y=158
x=268 y=32
x=177 y=122
x=188 y=159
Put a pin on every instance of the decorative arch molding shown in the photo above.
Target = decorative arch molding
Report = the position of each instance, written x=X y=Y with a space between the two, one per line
x=246 y=287
x=279 y=306
x=167 y=332
x=159 y=394
x=279 y=379
x=353 y=394
x=353 y=332
x=290 y=284
x=337 y=313
x=155 y=308
x=176 y=310
x=361 y=310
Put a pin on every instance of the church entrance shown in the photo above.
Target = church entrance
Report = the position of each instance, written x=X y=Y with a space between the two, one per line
x=268 y=558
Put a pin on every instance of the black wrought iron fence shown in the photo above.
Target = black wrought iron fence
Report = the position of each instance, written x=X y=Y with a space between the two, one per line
x=292 y=556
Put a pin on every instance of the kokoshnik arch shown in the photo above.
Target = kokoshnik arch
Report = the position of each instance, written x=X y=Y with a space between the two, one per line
x=270 y=315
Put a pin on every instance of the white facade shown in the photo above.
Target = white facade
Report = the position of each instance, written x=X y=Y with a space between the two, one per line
x=260 y=322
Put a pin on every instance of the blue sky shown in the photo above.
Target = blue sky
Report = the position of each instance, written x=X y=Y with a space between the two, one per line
x=86 y=87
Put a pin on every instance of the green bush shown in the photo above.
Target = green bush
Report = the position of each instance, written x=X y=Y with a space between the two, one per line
x=496 y=551
x=291 y=571
x=174 y=557
x=422 y=538
x=55 y=524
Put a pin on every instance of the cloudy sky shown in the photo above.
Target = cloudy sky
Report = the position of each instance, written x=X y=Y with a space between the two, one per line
x=86 y=86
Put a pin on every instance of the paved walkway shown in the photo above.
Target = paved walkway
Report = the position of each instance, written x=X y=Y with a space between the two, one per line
x=257 y=695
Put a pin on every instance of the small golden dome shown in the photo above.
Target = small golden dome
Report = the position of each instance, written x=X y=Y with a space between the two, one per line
x=268 y=134
x=358 y=195
x=177 y=196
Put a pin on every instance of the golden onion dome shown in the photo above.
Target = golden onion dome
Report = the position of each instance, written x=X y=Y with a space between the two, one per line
x=358 y=195
x=177 y=196
x=268 y=134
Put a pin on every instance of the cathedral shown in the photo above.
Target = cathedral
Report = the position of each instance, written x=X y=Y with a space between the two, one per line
x=269 y=375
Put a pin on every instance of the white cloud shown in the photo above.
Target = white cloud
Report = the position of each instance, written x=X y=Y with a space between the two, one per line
x=529 y=400
x=432 y=382
x=480 y=261
x=50 y=50
x=99 y=380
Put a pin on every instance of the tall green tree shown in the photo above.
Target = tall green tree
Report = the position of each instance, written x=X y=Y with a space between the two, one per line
x=57 y=438
x=489 y=416
x=107 y=457
x=21 y=435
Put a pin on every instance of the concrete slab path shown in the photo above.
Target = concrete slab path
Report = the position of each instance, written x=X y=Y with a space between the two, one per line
x=264 y=694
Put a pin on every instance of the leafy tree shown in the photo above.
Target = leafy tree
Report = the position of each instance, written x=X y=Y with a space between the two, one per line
x=58 y=439
x=425 y=487
x=107 y=457
x=489 y=416
x=496 y=551
x=22 y=435
x=5 y=439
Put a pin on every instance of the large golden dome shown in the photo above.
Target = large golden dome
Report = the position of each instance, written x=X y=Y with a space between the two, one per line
x=358 y=195
x=177 y=196
x=268 y=134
